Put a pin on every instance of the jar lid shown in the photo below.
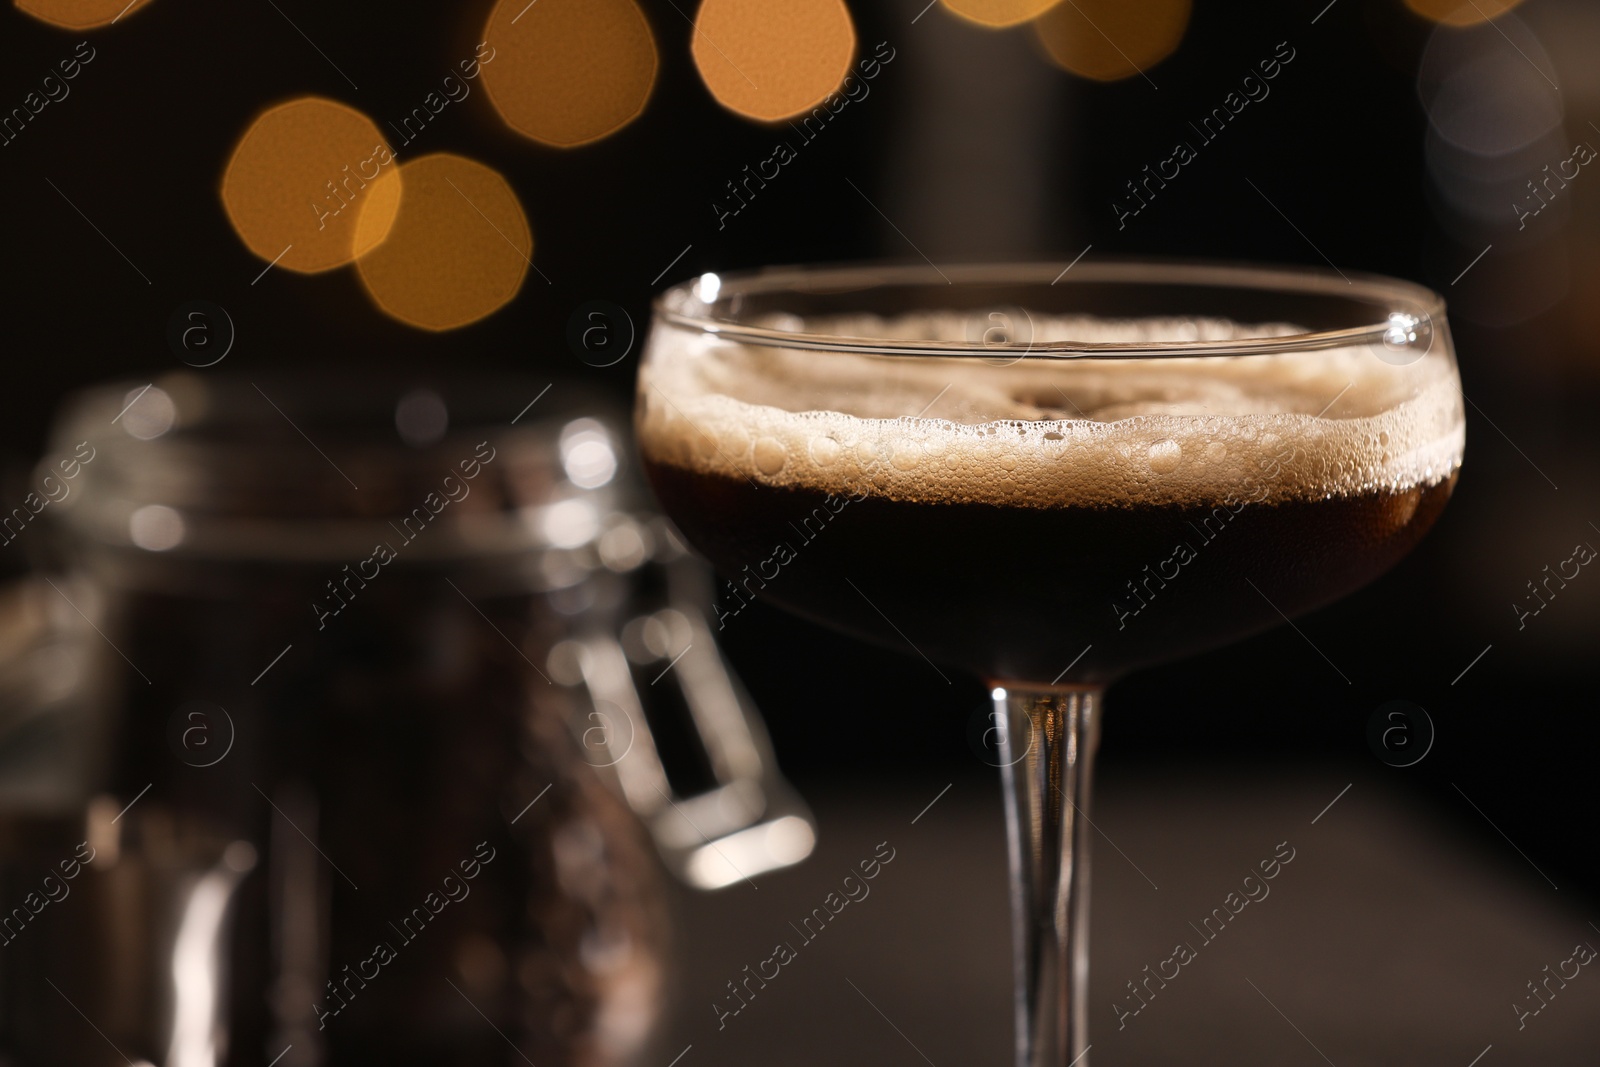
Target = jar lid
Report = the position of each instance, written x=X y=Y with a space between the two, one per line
x=326 y=469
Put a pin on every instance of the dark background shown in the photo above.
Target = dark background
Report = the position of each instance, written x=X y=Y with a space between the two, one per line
x=977 y=150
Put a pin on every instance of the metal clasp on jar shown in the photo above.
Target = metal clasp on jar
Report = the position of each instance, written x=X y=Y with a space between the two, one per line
x=750 y=820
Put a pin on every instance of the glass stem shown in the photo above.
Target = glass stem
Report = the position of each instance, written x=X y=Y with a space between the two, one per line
x=1047 y=750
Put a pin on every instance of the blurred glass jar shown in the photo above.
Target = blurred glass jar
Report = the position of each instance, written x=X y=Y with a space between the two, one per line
x=322 y=797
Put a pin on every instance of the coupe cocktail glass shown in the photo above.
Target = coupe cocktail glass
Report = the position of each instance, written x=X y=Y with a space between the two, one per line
x=1049 y=477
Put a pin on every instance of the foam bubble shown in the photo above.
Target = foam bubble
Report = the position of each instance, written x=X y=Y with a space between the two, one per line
x=1165 y=455
x=1051 y=433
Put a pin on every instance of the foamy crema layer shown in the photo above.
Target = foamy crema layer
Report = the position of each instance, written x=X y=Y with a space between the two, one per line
x=1051 y=433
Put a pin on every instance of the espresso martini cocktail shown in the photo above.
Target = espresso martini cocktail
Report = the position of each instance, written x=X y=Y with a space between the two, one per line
x=1049 y=484
x=1005 y=515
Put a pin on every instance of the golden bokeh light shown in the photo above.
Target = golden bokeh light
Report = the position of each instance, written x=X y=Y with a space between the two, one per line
x=999 y=12
x=1461 y=12
x=1108 y=40
x=458 y=249
x=772 y=61
x=300 y=176
x=567 y=72
x=80 y=14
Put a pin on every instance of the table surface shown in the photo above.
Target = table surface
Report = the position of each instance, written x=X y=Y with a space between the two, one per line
x=1389 y=938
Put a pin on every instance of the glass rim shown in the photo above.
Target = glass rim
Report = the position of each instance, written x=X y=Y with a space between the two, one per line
x=690 y=305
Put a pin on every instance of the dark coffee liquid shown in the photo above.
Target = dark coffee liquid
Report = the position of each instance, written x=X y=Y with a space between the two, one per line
x=1017 y=593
